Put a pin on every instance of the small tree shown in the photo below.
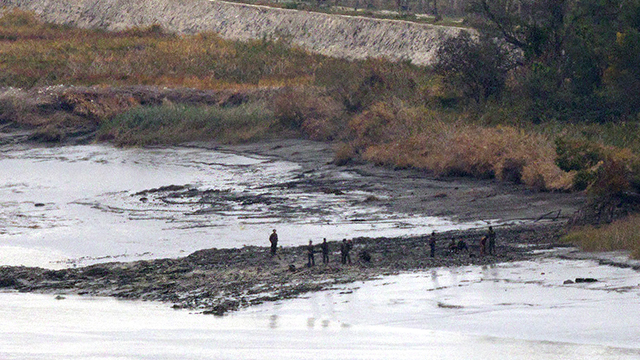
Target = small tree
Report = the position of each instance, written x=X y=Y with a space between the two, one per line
x=476 y=66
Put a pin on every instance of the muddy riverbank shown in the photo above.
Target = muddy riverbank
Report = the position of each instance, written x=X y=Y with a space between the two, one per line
x=218 y=280
x=215 y=281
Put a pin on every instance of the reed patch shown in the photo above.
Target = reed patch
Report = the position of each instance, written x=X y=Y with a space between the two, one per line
x=619 y=235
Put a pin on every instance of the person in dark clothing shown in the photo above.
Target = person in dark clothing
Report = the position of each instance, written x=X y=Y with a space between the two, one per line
x=311 y=261
x=325 y=251
x=432 y=244
x=483 y=245
x=491 y=237
x=462 y=246
x=453 y=247
x=273 y=239
x=345 y=247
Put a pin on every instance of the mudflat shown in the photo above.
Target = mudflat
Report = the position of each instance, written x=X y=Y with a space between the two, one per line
x=414 y=191
x=219 y=280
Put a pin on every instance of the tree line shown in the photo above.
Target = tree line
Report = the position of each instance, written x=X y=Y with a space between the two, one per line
x=570 y=60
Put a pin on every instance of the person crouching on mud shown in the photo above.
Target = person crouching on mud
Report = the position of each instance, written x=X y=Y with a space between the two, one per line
x=273 y=239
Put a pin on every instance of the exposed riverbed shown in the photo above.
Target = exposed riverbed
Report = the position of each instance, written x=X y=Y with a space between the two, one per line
x=68 y=206
x=90 y=203
x=82 y=204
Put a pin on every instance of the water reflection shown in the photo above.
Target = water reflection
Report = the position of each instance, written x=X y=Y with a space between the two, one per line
x=273 y=321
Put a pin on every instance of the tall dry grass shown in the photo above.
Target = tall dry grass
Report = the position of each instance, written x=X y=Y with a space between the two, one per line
x=172 y=124
x=619 y=235
x=33 y=53
x=421 y=138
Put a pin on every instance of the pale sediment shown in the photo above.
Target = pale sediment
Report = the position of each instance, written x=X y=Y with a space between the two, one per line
x=332 y=35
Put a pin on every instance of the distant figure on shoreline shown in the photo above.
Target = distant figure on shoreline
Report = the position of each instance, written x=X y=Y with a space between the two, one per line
x=273 y=239
x=325 y=251
x=462 y=246
x=311 y=261
x=345 y=247
x=483 y=245
x=432 y=244
x=491 y=235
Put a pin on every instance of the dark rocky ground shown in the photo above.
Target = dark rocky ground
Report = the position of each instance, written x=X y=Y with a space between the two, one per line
x=215 y=281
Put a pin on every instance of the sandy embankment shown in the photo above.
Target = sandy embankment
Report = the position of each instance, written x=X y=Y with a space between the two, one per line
x=333 y=35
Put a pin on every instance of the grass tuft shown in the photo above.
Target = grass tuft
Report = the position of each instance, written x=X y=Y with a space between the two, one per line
x=619 y=235
x=171 y=124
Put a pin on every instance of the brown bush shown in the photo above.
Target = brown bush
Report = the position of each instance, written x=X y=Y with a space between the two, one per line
x=97 y=106
x=411 y=137
x=344 y=153
x=310 y=111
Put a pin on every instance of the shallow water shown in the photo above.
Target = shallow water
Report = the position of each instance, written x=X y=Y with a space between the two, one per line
x=509 y=311
x=76 y=205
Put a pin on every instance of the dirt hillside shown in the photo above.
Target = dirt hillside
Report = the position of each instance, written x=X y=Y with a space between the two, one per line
x=333 y=35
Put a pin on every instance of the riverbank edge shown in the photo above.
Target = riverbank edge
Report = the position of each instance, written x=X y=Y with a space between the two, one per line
x=215 y=281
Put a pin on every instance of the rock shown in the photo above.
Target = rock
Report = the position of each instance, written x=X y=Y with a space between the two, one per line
x=585 y=280
x=220 y=309
x=7 y=282
x=566 y=282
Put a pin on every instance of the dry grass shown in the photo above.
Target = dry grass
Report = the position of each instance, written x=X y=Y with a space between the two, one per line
x=419 y=138
x=172 y=124
x=619 y=235
x=311 y=111
x=33 y=53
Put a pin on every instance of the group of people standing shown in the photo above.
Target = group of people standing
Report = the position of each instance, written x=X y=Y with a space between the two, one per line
x=487 y=246
x=345 y=250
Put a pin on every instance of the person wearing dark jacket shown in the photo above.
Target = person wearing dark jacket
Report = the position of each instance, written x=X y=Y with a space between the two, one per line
x=432 y=244
x=345 y=247
x=311 y=261
x=491 y=237
x=325 y=251
x=273 y=239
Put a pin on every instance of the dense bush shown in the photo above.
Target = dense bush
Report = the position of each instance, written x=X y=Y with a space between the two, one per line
x=477 y=67
x=620 y=235
x=360 y=84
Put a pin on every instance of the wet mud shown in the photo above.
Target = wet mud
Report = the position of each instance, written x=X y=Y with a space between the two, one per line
x=215 y=281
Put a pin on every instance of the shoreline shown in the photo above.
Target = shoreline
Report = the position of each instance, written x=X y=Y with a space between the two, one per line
x=215 y=281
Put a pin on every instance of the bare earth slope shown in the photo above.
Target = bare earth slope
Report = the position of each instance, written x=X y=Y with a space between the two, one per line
x=333 y=35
